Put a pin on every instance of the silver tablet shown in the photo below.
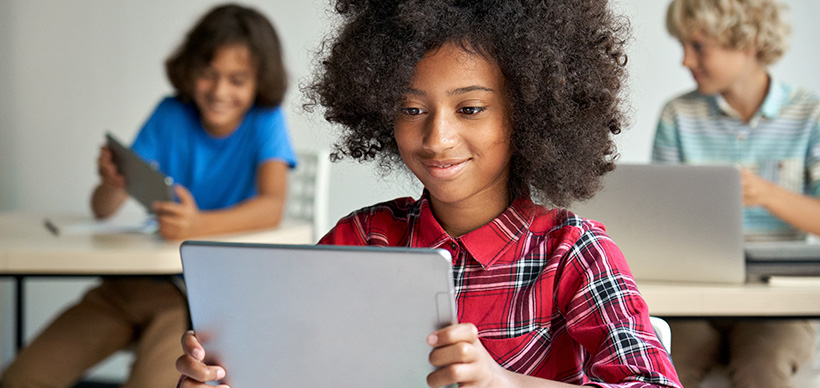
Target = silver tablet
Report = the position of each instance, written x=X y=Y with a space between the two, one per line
x=142 y=181
x=318 y=316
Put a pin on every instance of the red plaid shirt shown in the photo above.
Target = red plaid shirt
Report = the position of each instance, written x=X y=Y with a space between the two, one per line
x=550 y=293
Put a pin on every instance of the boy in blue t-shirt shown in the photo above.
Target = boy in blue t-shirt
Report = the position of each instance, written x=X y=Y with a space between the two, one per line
x=224 y=141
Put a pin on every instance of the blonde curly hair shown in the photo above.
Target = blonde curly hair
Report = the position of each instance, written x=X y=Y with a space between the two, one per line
x=734 y=24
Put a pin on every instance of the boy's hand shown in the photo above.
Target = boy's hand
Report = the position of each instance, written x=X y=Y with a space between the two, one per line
x=108 y=170
x=461 y=358
x=755 y=188
x=178 y=221
x=194 y=371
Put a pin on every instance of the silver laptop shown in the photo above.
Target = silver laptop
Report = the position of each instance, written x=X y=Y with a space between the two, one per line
x=674 y=222
x=318 y=316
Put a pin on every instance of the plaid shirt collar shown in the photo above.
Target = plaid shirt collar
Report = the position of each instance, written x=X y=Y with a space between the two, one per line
x=490 y=244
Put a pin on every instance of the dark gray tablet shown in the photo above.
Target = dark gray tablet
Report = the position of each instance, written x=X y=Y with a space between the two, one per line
x=142 y=181
x=318 y=316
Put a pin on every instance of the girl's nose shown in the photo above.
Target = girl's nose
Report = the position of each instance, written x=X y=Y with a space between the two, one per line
x=441 y=133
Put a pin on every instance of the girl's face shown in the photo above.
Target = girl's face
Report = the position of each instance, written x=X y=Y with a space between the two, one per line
x=453 y=130
x=226 y=89
x=717 y=69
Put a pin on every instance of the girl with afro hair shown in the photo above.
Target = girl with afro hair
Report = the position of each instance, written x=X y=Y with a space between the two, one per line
x=503 y=110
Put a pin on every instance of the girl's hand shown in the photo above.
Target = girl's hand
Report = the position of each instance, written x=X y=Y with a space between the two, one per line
x=178 y=221
x=108 y=170
x=461 y=358
x=194 y=371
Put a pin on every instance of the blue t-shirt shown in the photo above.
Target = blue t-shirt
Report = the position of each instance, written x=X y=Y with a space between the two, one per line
x=219 y=172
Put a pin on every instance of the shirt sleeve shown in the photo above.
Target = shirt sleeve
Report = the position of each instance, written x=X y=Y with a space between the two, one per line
x=147 y=143
x=348 y=231
x=608 y=317
x=275 y=141
x=666 y=146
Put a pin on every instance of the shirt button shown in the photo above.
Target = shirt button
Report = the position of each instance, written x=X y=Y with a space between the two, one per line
x=453 y=246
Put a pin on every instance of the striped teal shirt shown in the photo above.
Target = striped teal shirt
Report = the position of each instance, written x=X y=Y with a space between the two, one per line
x=781 y=143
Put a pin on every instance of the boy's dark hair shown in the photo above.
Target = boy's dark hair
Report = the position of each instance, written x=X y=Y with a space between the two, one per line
x=563 y=62
x=227 y=25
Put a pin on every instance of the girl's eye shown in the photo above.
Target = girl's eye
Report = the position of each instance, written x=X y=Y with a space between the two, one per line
x=470 y=110
x=411 y=111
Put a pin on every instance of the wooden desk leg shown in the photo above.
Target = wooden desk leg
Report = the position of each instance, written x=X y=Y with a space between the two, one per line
x=18 y=321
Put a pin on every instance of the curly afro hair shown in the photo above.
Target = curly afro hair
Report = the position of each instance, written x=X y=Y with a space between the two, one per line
x=564 y=63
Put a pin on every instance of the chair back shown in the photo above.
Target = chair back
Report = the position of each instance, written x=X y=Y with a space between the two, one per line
x=663 y=331
x=308 y=190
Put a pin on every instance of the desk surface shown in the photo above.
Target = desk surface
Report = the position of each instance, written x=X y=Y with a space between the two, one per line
x=28 y=247
x=782 y=297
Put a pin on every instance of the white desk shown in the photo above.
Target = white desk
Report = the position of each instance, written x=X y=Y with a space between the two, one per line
x=779 y=299
x=28 y=248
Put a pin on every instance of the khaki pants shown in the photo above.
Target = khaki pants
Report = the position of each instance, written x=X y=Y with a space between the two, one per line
x=759 y=353
x=147 y=314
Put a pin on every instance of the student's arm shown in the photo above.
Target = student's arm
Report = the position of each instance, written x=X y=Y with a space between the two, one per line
x=110 y=194
x=461 y=358
x=797 y=210
x=182 y=220
x=611 y=321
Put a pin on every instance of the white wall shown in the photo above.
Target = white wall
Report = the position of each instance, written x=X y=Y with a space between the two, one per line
x=71 y=70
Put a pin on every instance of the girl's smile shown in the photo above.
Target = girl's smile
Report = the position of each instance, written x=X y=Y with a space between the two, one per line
x=445 y=169
x=453 y=132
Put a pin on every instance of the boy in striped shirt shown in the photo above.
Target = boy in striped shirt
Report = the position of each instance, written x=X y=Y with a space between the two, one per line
x=740 y=115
